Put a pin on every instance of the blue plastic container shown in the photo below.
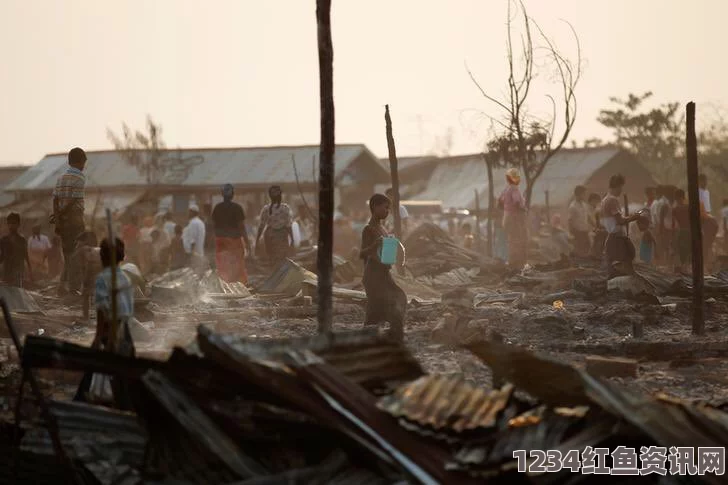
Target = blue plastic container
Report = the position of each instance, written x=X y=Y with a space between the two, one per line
x=388 y=252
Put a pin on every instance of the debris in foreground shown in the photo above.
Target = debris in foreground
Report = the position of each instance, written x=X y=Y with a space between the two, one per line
x=349 y=407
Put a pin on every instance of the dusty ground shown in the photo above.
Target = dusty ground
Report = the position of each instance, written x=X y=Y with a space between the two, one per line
x=583 y=326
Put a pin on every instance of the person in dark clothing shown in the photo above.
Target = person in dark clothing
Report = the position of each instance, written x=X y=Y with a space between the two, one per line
x=14 y=253
x=681 y=231
x=385 y=300
x=178 y=257
x=228 y=219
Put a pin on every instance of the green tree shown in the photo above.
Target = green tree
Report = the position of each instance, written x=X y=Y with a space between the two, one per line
x=656 y=136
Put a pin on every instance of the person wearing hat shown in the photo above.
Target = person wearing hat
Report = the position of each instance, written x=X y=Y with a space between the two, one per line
x=276 y=220
x=193 y=237
x=514 y=220
x=231 y=238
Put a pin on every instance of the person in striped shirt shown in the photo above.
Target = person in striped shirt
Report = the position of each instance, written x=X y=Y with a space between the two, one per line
x=68 y=207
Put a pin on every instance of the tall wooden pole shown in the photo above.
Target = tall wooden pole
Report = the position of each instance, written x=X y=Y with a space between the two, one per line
x=395 y=178
x=491 y=205
x=696 y=233
x=626 y=212
x=324 y=262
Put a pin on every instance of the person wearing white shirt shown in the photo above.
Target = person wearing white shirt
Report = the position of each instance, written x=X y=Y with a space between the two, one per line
x=193 y=236
x=703 y=192
x=38 y=247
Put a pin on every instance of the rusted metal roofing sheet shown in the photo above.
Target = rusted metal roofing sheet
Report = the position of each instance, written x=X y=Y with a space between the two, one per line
x=424 y=461
x=443 y=402
x=364 y=356
x=203 y=167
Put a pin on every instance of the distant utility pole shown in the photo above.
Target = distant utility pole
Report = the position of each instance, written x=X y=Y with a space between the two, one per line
x=324 y=262
x=696 y=234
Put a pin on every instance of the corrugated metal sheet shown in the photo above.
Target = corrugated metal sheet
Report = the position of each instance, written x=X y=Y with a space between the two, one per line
x=202 y=167
x=455 y=179
x=92 y=434
x=443 y=402
x=364 y=356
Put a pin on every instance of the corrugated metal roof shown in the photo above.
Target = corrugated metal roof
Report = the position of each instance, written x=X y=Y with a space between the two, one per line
x=455 y=179
x=201 y=167
x=443 y=402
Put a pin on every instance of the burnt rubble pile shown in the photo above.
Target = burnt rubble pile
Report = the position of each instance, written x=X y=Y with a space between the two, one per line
x=431 y=252
x=343 y=408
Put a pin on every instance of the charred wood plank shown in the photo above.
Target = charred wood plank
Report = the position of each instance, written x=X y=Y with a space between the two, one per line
x=200 y=426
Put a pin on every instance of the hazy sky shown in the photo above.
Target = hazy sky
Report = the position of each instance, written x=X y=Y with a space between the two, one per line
x=245 y=73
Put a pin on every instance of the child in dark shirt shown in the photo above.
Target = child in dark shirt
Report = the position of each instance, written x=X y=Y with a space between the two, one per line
x=14 y=253
x=178 y=257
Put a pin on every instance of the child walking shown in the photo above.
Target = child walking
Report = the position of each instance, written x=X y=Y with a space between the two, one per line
x=385 y=300
x=121 y=342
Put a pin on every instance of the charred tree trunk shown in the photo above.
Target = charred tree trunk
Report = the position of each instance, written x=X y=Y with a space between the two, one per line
x=696 y=234
x=324 y=263
x=395 y=178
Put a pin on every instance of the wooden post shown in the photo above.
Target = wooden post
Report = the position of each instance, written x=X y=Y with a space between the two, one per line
x=696 y=233
x=394 y=173
x=478 y=244
x=626 y=212
x=491 y=206
x=324 y=262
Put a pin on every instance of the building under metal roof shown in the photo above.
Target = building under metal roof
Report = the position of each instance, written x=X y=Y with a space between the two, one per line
x=455 y=179
x=249 y=167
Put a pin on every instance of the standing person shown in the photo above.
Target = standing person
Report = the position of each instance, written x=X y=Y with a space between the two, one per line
x=122 y=343
x=650 y=195
x=662 y=223
x=193 y=238
x=68 y=207
x=38 y=248
x=55 y=257
x=169 y=225
x=724 y=225
x=231 y=238
x=514 y=220
x=403 y=214
x=276 y=220
x=500 y=246
x=14 y=253
x=681 y=230
x=709 y=224
x=618 y=247
x=385 y=300
x=579 y=221
x=130 y=234
x=600 y=235
x=178 y=257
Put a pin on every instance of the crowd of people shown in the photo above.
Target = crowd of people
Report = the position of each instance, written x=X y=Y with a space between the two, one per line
x=598 y=226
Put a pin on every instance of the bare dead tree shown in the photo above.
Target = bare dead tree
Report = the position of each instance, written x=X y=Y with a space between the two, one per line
x=142 y=150
x=324 y=263
x=523 y=139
